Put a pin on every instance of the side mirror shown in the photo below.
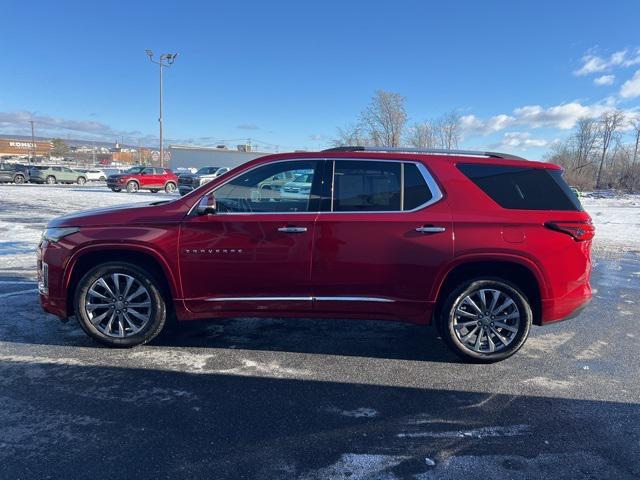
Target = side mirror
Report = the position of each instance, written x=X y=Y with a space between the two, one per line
x=207 y=205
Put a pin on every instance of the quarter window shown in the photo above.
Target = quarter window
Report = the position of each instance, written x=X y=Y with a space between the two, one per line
x=282 y=187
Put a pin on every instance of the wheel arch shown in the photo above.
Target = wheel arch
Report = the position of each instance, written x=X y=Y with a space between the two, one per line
x=521 y=272
x=141 y=256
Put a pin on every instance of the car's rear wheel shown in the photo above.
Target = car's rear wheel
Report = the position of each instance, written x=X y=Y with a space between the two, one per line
x=120 y=305
x=485 y=320
x=170 y=187
x=81 y=181
x=18 y=179
x=132 y=186
x=51 y=180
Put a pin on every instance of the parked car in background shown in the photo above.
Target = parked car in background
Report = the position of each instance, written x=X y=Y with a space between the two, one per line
x=146 y=178
x=482 y=244
x=299 y=187
x=12 y=173
x=94 y=174
x=55 y=174
x=190 y=181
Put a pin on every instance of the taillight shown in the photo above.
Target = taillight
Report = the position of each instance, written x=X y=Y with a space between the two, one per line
x=580 y=231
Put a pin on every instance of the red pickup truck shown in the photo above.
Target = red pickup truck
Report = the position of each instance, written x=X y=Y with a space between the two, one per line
x=149 y=178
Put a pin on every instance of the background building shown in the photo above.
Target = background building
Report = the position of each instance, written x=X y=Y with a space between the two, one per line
x=23 y=148
x=184 y=156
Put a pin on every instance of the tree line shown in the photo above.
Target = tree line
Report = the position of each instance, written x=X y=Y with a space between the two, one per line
x=383 y=123
x=597 y=154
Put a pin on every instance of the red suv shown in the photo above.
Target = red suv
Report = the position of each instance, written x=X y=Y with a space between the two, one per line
x=149 y=178
x=482 y=244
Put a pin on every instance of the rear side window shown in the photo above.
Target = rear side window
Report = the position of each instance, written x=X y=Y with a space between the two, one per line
x=416 y=191
x=361 y=186
x=522 y=187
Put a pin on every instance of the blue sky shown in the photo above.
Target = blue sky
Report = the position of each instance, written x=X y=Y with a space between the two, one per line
x=289 y=73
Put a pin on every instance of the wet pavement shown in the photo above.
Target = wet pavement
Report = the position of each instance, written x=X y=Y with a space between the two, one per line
x=322 y=399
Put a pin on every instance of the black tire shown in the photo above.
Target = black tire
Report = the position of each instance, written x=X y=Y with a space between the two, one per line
x=18 y=179
x=81 y=181
x=447 y=318
x=157 y=311
x=102 y=179
x=116 y=189
x=132 y=186
x=154 y=190
x=51 y=180
x=170 y=187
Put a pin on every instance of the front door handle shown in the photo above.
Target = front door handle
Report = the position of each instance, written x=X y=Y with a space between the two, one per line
x=430 y=229
x=292 y=229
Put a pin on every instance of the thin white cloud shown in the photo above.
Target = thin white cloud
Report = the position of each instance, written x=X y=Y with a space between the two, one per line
x=563 y=117
x=594 y=63
x=248 y=126
x=605 y=80
x=631 y=88
x=521 y=141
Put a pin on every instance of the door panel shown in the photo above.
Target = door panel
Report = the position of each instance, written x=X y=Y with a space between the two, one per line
x=375 y=262
x=254 y=253
x=379 y=257
x=246 y=257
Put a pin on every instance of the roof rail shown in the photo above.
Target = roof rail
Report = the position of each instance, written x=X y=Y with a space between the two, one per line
x=435 y=151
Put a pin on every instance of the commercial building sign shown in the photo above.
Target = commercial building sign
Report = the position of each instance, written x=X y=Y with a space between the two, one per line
x=24 y=147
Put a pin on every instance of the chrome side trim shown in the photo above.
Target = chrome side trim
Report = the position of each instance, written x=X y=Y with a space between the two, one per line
x=300 y=299
x=428 y=178
x=354 y=299
x=259 y=299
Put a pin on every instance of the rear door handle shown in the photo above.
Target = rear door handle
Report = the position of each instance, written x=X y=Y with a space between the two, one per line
x=430 y=229
x=292 y=229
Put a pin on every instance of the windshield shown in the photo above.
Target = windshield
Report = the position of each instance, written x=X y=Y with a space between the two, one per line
x=134 y=170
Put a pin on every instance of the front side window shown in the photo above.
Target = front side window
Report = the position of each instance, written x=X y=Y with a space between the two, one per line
x=271 y=189
x=361 y=186
x=148 y=171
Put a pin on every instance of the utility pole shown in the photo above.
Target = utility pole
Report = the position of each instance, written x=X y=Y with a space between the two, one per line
x=170 y=58
x=33 y=144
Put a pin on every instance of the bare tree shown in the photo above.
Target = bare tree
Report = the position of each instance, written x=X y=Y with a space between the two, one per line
x=350 y=135
x=448 y=130
x=585 y=140
x=609 y=125
x=385 y=118
x=421 y=135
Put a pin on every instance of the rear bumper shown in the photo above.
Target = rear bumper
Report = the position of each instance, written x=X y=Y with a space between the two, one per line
x=567 y=307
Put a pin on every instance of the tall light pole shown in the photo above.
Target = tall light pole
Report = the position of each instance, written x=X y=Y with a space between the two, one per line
x=169 y=58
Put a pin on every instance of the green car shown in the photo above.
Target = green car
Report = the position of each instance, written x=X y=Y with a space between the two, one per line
x=52 y=175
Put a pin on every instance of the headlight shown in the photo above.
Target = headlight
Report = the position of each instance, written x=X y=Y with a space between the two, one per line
x=55 y=234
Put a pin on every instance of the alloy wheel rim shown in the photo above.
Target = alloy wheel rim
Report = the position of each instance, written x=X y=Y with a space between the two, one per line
x=170 y=188
x=118 y=305
x=486 y=320
x=133 y=187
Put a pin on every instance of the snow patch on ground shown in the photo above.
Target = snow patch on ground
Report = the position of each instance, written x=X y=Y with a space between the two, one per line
x=484 y=432
x=361 y=412
x=616 y=219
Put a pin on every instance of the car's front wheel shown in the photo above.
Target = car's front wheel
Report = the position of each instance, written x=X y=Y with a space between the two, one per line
x=170 y=187
x=81 y=180
x=132 y=186
x=51 y=180
x=120 y=304
x=485 y=320
x=19 y=179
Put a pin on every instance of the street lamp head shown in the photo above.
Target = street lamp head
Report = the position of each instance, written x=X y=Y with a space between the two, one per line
x=171 y=57
x=150 y=53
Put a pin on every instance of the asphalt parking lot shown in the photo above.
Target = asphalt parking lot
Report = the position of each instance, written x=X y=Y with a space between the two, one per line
x=318 y=399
